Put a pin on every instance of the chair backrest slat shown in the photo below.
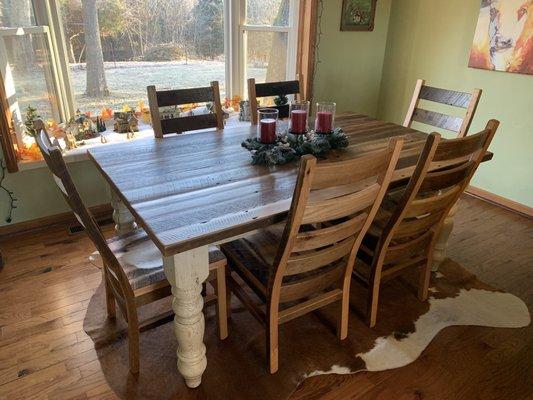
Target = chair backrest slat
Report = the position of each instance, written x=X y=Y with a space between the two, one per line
x=332 y=208
x=191 y=123
x=327 y=236
x=258 y=90
x=462 y=100
x=437 y=119
x=277 y=88
x=446 y=96
x=167 y=98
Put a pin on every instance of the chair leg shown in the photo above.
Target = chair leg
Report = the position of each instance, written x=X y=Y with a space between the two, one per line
x=228 y=300
x=133 y=341
x=109 y=297
x=423 y=286
x=272 y=348
x=221 y=292
x=372 y=303
x=342 y=321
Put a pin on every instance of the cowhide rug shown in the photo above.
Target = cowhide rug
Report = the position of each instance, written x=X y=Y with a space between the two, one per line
x=236 y=367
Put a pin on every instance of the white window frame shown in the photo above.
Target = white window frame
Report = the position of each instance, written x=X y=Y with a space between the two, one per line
x=9 y=83
x=235 y=42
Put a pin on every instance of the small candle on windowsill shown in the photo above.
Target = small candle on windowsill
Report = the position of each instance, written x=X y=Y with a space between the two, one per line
x=266 y=128
x=325 y=116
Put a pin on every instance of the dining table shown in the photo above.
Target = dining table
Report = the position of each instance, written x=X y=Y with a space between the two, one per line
x=190 y=191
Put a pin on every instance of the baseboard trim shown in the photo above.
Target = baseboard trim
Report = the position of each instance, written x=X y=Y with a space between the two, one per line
x=500 y=201
x=66 y=219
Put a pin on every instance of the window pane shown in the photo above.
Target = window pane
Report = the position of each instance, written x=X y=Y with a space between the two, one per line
x=267 y=12
x=28 y=57
x=266 y=58
x=16 y=13
x=126 y=45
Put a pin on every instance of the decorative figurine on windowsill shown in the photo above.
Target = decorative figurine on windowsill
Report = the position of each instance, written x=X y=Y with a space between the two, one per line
x=125 y=122
x=244 y=111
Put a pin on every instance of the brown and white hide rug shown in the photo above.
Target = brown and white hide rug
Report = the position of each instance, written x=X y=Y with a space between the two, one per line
x=236 y=367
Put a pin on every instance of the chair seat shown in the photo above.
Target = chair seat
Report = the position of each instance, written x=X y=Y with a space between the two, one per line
x=252 y=257
x=142 y=261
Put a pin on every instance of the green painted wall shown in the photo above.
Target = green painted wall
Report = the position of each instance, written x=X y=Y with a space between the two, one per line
x=351 y=63
x=38 y=196
x=431 y=39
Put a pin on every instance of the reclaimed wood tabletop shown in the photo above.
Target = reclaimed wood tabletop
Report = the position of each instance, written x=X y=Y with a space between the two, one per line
x=195 y=189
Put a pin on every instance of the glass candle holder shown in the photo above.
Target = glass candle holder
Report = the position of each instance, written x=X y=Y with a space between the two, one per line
x=299 y=117
x=267 y=125
x=325 y=117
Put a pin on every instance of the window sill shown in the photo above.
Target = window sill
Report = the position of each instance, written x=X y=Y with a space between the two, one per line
x=80 y=153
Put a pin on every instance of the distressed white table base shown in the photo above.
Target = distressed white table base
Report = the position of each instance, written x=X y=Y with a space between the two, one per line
x=439 y=252
x=124 y=220
x=186 y=272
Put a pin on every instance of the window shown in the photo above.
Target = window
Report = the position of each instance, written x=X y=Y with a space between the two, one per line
x=98 y=56
x=118 y=47
x=264 y=41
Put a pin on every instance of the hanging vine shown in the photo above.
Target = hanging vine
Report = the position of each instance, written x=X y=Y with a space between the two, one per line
x=12 y=199
x=318 y=38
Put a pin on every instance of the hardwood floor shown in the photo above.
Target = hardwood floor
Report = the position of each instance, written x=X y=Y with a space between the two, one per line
x=47 y=282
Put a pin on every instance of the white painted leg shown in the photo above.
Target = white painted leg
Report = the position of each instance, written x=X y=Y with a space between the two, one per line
x=186 y=272
x=124 y=221
x=439 y=252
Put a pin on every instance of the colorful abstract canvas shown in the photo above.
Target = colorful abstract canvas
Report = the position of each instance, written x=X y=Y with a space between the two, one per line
x=504 y=37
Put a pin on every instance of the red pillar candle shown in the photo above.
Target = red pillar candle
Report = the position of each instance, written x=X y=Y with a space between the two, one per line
x=324 y=122
x=267 y=128
x=298 y=121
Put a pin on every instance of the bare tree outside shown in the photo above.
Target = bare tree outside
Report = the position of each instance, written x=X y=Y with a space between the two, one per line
x=96 y=81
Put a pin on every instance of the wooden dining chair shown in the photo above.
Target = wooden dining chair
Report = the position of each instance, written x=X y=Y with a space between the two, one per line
x=404 y=232
x=307 y=264
x=461 y=100
x=132 y=266
x=174 y=98
x=258 y=90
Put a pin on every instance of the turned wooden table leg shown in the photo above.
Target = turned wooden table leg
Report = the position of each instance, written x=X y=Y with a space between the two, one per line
x=439 y=252
x=186 y=272
x=124 y=221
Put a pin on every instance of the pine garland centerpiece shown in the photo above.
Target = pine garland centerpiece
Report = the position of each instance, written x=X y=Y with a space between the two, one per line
x=289 y=147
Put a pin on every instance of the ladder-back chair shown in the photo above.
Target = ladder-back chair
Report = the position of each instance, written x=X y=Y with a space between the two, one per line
x=269 y=89
x=307 y=264
x=175 y=98
x=405 y=230
x=462 y=100
x=132 y=266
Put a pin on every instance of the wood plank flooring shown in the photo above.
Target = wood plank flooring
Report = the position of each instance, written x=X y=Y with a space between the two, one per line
x=47 y=283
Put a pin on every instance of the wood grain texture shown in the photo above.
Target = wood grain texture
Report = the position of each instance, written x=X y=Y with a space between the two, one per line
x=276 y=88
x=191 y=190
x=446 y=96
x=47 y=285
x=438 y=120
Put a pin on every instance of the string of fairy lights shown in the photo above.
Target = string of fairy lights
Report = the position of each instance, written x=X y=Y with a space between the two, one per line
x=318 y=37
x=11 y=196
